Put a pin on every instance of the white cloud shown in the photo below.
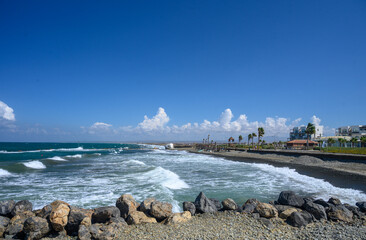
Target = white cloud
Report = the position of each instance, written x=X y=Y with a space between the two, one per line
x=315 y=120
x=6 y=112
x=99 y=127
x=157 y=122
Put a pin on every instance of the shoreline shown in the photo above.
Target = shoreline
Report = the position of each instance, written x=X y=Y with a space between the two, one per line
x=340 y=174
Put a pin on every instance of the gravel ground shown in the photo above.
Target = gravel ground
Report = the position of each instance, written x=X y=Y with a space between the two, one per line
x=231 y=225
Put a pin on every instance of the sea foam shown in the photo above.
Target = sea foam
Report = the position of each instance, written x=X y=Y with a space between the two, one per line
x=74 y=156
x=35 y=165
x=166 y=178
x=57 y=158
x=4 y=173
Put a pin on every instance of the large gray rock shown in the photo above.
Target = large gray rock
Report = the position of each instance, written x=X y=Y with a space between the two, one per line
x=104 y=214
x=334 y=201
x=36 y=228
x=4 y=221
x=16 y=224
x=249 y=205
x=361 y=206
x=76 y=216
x=316 y=210
x=229 y=204
x=160 y=210
x=204 y=205
x=299 y=219
x=291 y=199
x=126 y=204
x=189 y=206
x=104 y=231
x=21 y=206
x=6 y=207
x=266 y=210
x=322 y=202
x=340 y=213
x=145 y=206
x=217 y=203
x=281 y=208
x=45 y=212
x=355 y=210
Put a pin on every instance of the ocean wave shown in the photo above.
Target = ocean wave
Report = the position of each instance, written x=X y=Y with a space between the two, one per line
x=35 y=165
x=4 y=173
x=166 y=178
x=151 y=146
x=135 y=162
x=319 y=188
x=57 y=158
x=78 y=149
x=74 y=156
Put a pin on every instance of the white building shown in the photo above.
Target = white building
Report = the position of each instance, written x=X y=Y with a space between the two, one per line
x=356 y=131
x=300 y=133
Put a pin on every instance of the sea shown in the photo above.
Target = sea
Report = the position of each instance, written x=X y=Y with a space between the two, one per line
x=91 y=175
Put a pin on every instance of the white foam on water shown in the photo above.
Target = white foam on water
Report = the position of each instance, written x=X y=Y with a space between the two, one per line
x=135 y=162
x=151 y=146
x=319 y=187
x=166 y=178
x=75 y=156
x=78 y=149
x=35 y=165
x=4 y=173
x=57 y=158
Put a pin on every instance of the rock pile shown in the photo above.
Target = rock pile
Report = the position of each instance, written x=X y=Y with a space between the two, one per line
x=18 y=220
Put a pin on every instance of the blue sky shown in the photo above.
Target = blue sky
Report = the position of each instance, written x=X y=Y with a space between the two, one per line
x=91 y=70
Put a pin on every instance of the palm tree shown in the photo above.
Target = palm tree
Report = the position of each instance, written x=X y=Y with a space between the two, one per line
x=240 y=138
x=320 y=144
x=341 y=141
x=260 y=134
x=330 y=141
x=253 y=136
x=363 y=141
x=249 y=137
x=310 y=130
x=353 y=141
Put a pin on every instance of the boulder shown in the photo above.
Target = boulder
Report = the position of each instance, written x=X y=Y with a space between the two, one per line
x=104 y=231
x=204 y=205
x=361 y=206
x=322 y=202
x=137 y=217
x=189 y=206
x=145 y=206
x=291 y=199
x=229 y=204
x=266 y=210
x=59 y=215
x=86 y=222
x=249 y=205
x=76 y=216
x=316 y=210
x=299 y=219
x=126 y=204
x=286 y=213
x=340 y=213
x=160 y=210
x=217 y=203
x=45 y=212
x=334 y=201
x=6 y=207
x=355 y=210
x=104 y=214
x=4 y=221
x=266 y=222
x=84 y=233
x=36 y=228
x=21 y=206
x=179 y=218
x=281 y=208
x=15 y=226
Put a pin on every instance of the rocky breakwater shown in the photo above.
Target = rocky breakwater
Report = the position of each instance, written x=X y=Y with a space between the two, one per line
x=60 y=220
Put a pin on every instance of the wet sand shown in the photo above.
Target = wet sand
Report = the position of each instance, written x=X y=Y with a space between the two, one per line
x=340 y=174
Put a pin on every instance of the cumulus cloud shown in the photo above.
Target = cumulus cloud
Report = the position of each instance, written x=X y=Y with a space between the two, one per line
x=157 y=122
x=315 y=120
x=6 y=112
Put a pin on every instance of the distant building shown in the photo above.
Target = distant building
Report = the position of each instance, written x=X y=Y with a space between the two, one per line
x=356 y=131
x=300 y=144
x=300 y=133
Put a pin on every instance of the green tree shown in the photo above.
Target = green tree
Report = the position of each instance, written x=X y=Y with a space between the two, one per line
x=253 y=136
x=240 y=138
x=330 y=141
x=354 y=141
x=310 y=130
x=260 y=134
x=320 y=144
x=341 y=141
x=249 y=137
x=363 y=141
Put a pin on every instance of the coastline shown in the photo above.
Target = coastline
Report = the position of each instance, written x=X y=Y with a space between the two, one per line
x=340 y=174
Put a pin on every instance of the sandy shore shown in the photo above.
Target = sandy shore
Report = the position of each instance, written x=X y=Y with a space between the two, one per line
x=341 y=174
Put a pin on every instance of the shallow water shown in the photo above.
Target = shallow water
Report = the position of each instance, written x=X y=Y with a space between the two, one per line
x=90 y=175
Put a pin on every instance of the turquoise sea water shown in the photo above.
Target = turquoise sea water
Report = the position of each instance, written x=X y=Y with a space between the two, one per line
x=96 y=174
